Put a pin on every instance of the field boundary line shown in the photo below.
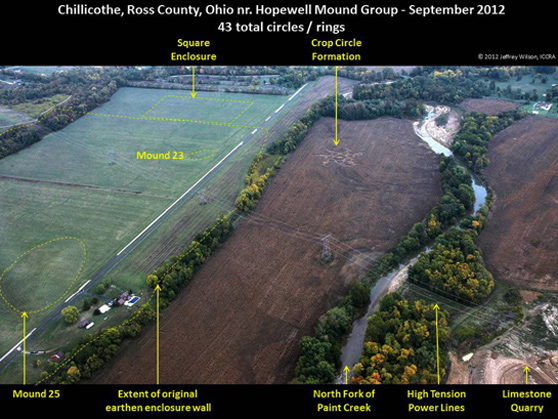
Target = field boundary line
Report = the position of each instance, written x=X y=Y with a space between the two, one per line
x=9 y=268
x=139 y=311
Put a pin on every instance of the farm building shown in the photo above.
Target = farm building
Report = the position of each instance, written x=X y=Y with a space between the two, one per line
x=57 y=357
x=123 y=299
x=467 y=357
x=543 y=106
x=83 y=324
x=104 y=308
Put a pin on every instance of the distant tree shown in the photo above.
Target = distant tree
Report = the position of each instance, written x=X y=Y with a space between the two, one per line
x=545 y=69
x=312 y=366
x=512 y=296
x=100 y=289
x=152 y=281
x=388 y=73
x=70 y=314
x=86 y=305
x=73 y=374
x=359 y=294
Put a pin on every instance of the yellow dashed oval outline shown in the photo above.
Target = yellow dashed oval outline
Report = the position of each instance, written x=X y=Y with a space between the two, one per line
x=7 y=301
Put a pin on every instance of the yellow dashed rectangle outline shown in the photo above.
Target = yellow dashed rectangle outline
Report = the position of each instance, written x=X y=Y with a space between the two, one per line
x=236 y=118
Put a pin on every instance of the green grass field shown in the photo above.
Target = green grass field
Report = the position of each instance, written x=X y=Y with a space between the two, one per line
x=528 y=84
x=9 y=117
x=85 y=181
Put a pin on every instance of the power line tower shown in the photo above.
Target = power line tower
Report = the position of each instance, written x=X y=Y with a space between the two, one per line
x=327 y=256
x=203 y=197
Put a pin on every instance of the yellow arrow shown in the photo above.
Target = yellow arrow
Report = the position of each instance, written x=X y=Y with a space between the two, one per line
x=336 y=139
x=193 y=92
x=436 y=308
x=526 y=370
x=346 y=370
x=24 y=316
x=157 y=289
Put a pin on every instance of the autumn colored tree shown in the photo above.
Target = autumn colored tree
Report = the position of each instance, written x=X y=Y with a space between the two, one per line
x=70 y=314
x=73 y=374
x=454 y=268
x=400 y=344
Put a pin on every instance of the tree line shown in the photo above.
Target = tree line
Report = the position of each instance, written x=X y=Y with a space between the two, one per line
x=446 y=86
x=294 y=77
x=457 y=198
x=477 y=129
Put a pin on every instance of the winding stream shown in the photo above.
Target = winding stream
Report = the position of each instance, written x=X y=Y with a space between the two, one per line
x=351 y=351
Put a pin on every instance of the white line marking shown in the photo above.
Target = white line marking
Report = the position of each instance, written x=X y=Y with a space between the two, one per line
x=83 y=286
x=280 y=107
x=70 y=297
x=268 y=118
x=181 y=196
x=17 y=346
x=77 y=292
x=253 y=132
x=297 y=92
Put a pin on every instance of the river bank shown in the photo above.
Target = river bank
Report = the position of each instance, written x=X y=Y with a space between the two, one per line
x=351 y=351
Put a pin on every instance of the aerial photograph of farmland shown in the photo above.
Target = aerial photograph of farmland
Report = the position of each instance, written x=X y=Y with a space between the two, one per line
x=278 y=225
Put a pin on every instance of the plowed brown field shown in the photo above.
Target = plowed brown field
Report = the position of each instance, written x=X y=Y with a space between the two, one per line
x=241 y=319
x=521 y=239
x=488 y=106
